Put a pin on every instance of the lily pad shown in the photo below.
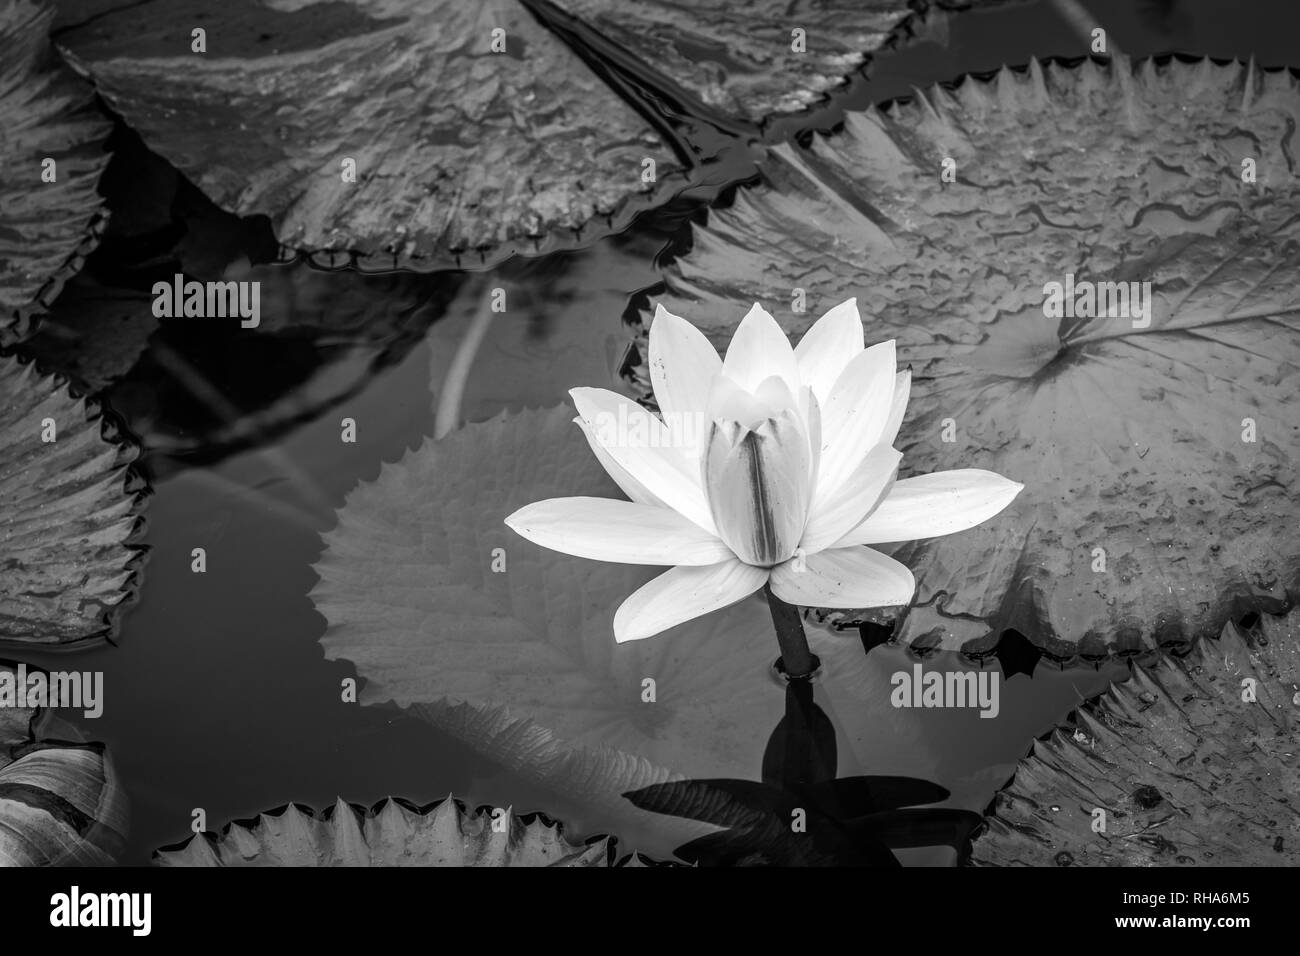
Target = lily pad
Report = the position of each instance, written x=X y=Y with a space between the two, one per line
x=46 y=112
x=744 y=61
x=67 y=516
x=408 y=586
x=1157 y=450
x=458 y=150
x=61 y=803
x=520 y=662
x=468 y=154
x=392 y=833
x=1193 y=762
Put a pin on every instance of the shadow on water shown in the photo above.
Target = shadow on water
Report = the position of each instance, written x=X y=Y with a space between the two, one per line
x=801 y=814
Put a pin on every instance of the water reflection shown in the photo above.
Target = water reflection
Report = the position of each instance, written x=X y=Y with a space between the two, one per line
x=801 y=814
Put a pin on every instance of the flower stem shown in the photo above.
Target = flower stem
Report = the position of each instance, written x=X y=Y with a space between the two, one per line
x=797 y=661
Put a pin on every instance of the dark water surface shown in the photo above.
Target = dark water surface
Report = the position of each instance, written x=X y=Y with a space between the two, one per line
x=217 y=693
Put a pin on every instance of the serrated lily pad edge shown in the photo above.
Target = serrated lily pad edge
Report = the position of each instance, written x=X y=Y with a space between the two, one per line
x=1060 y=737
x=113 y=432
x=160 y=856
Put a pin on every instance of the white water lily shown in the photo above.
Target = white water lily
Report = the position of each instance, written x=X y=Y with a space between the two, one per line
x=772 y=466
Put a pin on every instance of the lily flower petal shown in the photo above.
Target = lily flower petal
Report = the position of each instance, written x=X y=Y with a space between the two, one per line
x=683 y=365
x=928 y=506
x=605 y=529
x=856 y=413
x=759 y=486
x=825 y=349
x=834 y=514
x=902 y=390
x=844 y=577
x=758 y=350
x=682 y=593
x=811 y=410
x=622 y=477
x=774 y=394
x=729 y=402
x=642 y=446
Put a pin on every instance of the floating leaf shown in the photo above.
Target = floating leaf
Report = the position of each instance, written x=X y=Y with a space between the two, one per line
x=45 y=113
x=408 y=586
x=392 y=833
x=752 y=61
x=462 y=150
x=521 y=663
x=1192 y=761
x=60 y=802
x=67 y=519
x=1158 y=458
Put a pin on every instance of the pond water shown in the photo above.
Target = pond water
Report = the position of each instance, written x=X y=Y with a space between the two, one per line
x=218 y=695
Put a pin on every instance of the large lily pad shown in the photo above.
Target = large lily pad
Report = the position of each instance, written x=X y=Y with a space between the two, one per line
x=458 y=150
x=393 y=833
x=67 y=517
x=61 y=803
x=741 y=60
x=45 y=112
x=1193 y=762
x=521 y=663
x=1149 y=516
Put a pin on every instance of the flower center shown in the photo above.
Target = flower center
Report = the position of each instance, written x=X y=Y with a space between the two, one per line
x=758 y=485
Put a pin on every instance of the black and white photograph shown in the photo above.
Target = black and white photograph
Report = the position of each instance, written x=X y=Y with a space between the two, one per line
x=678 y=434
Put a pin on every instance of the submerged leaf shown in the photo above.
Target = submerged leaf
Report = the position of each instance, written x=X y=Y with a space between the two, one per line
x=60 y=801
x=1157 y=450
x=1192 y=761
x=393 y=833
x=321 y=337
x=93 y=334
x=67 y=519
x=46 y=113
